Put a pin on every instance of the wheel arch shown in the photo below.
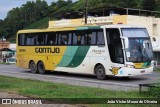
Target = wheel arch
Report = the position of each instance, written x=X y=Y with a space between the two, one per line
x=40 y=61
x=30 y=62
x=41 y=71
x=96 y=66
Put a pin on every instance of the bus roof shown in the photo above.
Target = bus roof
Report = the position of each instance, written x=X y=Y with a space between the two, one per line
x=85 y=27
x=121 y=26
x=64 y=28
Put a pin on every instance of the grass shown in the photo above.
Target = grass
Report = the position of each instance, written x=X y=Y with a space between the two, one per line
x=53 y=90
x=157 y=70
x=39 y=89
x=43 y=23
x=3 y=63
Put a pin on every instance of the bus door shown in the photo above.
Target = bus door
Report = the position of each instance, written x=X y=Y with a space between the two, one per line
x=115 y=49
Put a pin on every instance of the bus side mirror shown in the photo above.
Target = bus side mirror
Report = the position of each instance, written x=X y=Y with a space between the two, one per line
x=126 y=42
x=146 y=44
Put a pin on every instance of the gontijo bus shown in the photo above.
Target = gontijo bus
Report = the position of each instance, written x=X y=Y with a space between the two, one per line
x=117 y=50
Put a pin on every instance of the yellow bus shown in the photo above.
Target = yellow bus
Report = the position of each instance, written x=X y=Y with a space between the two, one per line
x=102 y=50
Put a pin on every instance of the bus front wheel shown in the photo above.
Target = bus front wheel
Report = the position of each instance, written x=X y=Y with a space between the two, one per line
x=33 y=67
x=41 y=68
x=100 y=72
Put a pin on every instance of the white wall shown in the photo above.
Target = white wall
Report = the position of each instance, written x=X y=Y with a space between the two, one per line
x=12 y=46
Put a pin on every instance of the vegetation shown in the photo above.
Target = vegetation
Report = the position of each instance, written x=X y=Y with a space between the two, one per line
x=155 y=91
x=53 y=90
x=23 y=17
x=39 y=89
x=157 y=70
x=43 y=23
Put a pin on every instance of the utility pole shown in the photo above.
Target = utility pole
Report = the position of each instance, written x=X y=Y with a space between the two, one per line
x=86 y=11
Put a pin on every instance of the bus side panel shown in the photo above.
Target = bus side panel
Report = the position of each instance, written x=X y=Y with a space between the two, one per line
x=21 y=54
x=85 y=63
x=100 y=55
x=20 y=61
x=48 y=55
x=75 y=59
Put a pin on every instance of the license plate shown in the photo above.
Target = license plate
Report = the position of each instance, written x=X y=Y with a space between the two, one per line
x=143 y=71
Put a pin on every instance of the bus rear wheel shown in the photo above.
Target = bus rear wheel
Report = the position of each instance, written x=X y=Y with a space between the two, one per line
x=100 y=72
x=41 y=68
x=33 y=67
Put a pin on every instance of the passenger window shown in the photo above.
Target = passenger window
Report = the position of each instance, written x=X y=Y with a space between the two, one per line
x=41 y=37
x=84 y=39
x=100 y=40
x=75 y=39
x=51 y=39
x=64 y=40
x=96 y=38
x=21 y=39
x=93 y=38
x=70 y=39
x=30 y=40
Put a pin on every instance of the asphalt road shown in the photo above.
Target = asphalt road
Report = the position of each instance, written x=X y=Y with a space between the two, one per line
x=113 y=83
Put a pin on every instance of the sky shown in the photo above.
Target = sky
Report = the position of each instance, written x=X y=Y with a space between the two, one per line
x=7 y=5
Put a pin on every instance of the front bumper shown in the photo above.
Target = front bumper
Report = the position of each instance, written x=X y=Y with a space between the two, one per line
x=133 y=71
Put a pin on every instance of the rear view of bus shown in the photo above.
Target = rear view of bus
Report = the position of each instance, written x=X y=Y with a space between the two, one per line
x=136 y=56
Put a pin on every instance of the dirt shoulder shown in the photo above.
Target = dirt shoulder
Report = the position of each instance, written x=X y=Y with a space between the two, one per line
x=10 y=95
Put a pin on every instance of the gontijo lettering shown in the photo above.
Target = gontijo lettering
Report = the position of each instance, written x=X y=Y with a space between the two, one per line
x=47 y=50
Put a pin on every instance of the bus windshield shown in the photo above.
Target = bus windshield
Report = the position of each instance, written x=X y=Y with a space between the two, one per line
x=139 y=48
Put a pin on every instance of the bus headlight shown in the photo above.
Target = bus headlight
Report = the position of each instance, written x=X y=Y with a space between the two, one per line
x=129 y=66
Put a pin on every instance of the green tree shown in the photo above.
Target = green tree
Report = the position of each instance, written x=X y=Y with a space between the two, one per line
x=32 y=11
x=1 y=28
x=41 y=8
x=69 y=1
x=61 y=3
x=148 y=4
x=157 y=7
x=11 y=23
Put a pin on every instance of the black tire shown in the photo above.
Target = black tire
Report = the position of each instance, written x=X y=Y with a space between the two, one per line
x=41 y=68
x=33 y=67
x=126 y=78
x=100 y=72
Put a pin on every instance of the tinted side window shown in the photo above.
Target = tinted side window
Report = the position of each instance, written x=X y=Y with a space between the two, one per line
x=96 y=37
x=64 y=38
x=100 y=38
x=30 y=39
x=52 y=38
x=93 y=37
x=80 y=38
x=41 y=39
x=69 y=38
x=83 y=37
x=75 y=39
x=21 y=39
